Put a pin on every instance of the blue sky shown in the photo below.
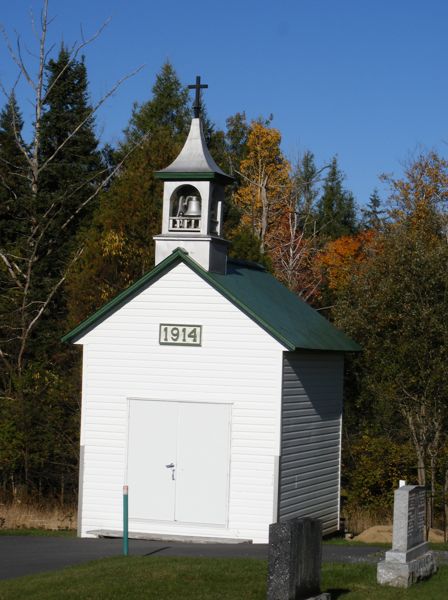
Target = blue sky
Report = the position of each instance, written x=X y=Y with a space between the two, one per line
x=364 y=79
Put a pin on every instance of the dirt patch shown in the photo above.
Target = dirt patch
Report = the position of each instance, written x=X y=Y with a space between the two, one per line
x=382 y=534
x=436 y=536
x=378 y=534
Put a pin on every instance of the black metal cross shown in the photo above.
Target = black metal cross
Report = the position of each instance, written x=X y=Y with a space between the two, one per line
x=197 y=100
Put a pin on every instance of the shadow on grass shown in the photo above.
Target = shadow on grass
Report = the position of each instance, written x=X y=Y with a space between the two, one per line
x=337 y=592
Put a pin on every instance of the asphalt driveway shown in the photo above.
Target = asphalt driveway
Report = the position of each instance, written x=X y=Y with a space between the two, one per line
x=23 y=555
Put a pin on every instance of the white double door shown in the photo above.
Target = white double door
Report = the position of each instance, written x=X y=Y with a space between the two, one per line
x=178 y=461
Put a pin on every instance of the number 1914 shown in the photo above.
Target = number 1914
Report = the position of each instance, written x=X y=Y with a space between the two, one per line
x=188 y=335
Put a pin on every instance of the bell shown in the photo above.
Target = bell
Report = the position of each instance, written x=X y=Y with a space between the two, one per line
x=193 y=208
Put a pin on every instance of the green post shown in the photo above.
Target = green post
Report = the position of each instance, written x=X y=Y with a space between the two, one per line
x=125 y=521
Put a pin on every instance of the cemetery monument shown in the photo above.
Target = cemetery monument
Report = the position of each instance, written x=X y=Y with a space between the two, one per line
x=410 y=559
x=294 y=562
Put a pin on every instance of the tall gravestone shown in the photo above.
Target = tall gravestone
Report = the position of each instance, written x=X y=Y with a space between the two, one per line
x=294 y=562
x=410 y=559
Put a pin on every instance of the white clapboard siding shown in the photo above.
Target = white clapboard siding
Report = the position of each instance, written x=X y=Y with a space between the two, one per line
x=238 y=363
x=311 y=433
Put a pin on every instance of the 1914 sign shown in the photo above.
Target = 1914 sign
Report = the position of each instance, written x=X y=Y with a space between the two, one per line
x=180 y=335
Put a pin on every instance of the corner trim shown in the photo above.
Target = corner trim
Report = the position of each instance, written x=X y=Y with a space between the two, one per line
x=80 y=489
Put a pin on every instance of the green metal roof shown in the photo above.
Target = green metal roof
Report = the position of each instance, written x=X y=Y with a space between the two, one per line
x=256 y=293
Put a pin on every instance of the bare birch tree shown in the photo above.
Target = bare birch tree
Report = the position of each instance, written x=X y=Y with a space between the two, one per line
x=26 y=291
x=296 y=241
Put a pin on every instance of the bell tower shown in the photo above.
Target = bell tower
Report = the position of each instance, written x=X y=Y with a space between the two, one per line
x=193 y=199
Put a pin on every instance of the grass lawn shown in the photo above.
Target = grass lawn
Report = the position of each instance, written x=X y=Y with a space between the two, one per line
x=40 y=532
x=163 y=578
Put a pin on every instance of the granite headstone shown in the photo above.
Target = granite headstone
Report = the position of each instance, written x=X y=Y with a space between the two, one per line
x=294 y=562
x=410 y=559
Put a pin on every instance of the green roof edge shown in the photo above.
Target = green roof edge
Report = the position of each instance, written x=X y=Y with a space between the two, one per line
x=178 y=255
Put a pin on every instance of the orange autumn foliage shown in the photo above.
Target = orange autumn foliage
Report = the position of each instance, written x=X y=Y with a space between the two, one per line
x=341 y=256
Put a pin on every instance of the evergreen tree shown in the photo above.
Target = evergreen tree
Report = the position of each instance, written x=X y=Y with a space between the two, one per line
x=69 y=143
x=67 y=186
x=236 y=140
x=13 y=185
x=166 y=115
x=215 y=139
x=372 y=215
x=235 y=151
x=336 y=207
x=118 y=244
x=245 y=246
x=13 y=208
x=304 y=179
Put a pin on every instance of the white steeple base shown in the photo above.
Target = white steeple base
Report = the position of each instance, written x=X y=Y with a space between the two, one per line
x=208 y=250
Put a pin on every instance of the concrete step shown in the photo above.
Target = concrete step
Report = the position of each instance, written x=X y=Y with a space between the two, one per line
x=138 y=535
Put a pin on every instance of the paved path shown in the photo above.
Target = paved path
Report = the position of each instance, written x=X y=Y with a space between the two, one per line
x=23 y=555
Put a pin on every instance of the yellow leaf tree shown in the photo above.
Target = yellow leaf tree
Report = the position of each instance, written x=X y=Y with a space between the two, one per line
x=265 y=175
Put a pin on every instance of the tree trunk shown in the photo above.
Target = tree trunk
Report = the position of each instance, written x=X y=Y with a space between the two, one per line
x=264 y=218
x=421 y=471
x=445 y=504
x=61 y=499
x=433 y=491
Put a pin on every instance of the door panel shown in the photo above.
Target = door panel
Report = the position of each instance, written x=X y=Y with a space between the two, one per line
x=203 y=463
x=151 y=446
x=193 y=436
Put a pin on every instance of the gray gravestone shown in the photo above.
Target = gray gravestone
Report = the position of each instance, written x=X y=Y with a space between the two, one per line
x=294 y=562
x=410 y=559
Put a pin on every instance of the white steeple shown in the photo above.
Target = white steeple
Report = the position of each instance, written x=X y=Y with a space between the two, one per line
x=193 y=198
x=194 y=156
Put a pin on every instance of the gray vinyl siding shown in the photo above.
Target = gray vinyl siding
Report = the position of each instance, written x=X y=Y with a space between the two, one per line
x=310 y=437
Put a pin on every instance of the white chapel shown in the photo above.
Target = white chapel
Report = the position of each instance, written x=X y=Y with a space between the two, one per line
x=208 y=388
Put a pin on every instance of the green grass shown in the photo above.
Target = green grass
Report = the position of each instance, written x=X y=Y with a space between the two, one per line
x=358 y=582
x=40 y=532
x=163 y=578
x=339 y=541
x=438 y=546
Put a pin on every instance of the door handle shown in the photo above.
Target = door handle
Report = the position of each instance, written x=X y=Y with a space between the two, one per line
x=171 y=466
